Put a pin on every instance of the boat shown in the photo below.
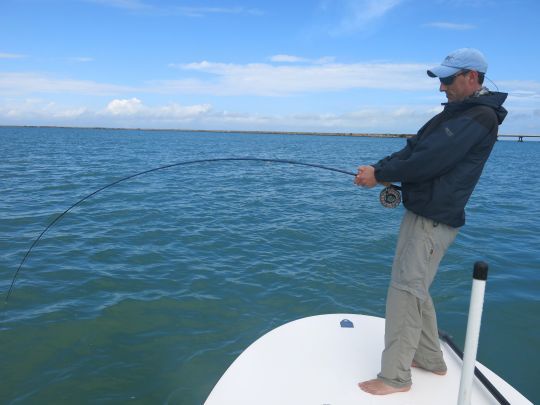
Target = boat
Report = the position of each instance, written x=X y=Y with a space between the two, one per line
x=319 y=360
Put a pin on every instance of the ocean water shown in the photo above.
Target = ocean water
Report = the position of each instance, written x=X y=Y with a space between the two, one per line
x=146 y=292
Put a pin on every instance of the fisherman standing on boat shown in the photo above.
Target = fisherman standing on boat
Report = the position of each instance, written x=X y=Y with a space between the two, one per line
x=438 y=170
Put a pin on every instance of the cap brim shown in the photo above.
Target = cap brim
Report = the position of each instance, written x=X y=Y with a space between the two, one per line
x=442 y=71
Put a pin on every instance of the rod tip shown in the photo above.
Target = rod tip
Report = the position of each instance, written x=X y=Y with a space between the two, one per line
x=480 y=271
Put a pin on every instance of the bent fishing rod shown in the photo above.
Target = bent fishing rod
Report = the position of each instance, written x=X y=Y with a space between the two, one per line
x=389 y=196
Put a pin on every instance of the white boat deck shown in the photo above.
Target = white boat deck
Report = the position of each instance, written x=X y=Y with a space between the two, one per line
x=314 y=361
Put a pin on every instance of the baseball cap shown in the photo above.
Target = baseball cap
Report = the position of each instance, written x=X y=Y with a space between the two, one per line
x=464 y=58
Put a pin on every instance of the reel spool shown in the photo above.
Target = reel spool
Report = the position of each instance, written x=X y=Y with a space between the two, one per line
x=390 y=196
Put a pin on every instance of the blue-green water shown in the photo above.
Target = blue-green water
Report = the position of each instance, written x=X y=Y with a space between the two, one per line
x=146 y=292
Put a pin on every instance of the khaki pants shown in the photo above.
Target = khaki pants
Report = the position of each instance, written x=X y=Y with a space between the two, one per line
x=411 y=324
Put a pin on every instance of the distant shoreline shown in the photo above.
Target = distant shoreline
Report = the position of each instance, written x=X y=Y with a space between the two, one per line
x=226 y=131
x=231 y=131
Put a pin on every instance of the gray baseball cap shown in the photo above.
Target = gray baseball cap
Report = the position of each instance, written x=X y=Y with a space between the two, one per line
x=461 y=59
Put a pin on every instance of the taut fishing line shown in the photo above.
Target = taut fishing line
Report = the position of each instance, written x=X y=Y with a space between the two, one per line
x=389 y=196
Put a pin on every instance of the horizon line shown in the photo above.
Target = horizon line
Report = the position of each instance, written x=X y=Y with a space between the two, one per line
x=228 y=131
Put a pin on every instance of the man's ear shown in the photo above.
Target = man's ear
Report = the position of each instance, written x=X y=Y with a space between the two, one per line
x=473 y=76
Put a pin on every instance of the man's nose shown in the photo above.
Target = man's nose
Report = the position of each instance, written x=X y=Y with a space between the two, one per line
x=442 y=87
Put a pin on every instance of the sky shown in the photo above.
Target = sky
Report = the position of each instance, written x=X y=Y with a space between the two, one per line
x=322 y=65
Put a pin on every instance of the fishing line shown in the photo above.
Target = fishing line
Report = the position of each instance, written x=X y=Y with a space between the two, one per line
x=497 y=87
x=389 y=197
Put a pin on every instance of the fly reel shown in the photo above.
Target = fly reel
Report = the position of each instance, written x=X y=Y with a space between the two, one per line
x=390 y=196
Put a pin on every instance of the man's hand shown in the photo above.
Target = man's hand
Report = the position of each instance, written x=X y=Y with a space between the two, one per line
x=366 y=177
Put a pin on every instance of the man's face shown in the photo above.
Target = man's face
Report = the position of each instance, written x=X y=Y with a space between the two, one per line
x=464 y=85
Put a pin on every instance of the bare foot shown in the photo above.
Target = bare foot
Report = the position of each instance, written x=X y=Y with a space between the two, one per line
x=378 y=387
x=415 y=364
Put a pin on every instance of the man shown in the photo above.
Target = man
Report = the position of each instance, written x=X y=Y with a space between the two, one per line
x=438 y=170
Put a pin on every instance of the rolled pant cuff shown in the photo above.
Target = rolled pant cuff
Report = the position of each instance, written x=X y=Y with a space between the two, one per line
x=433 y=366
x=394 y=383
x=430 y=361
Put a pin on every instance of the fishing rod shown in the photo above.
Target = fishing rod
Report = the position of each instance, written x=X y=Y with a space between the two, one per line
x=389 y=196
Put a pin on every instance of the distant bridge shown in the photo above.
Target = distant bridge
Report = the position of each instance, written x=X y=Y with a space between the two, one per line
x=519 y=137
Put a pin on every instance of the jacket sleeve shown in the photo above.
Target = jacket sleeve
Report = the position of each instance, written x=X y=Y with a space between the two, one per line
x=435 y=154
x=400 y=155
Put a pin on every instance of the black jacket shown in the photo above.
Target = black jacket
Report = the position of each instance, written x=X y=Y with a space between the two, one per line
x=440 y=166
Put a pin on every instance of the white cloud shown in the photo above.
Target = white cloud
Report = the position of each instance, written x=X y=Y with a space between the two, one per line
x=287 y=58
x=35 y=108
x=521 y=88
x=369 y=119
x=186 y=11
x=133 y=113
x=450 y=26
x=118 y=112
x=298 y=59
x=134 y=106
x=4 y=55
x=33 y=98
x=222 y=79
x=125 y=4
x=124 y=107
x=34 y=83
x=176 y=111
x=254 y=79
x=359 y=15
x=271 y=80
